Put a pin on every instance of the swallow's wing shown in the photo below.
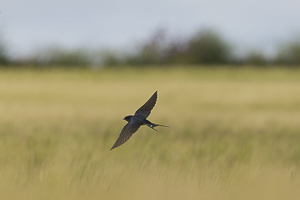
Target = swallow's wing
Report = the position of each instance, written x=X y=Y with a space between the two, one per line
x=125 y=134
x=145 y=109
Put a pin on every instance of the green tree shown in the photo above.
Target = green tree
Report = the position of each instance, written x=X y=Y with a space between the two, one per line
x=207 y=47
x=255 y=57
x=3 y=53
x=289 y=53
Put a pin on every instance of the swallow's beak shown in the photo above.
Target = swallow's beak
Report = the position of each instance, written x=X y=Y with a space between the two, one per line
x=127 y=118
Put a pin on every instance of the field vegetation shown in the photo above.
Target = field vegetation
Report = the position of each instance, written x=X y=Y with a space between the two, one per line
x=234 y=134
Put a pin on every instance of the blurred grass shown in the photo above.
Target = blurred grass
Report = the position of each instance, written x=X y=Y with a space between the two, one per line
x=234 y=134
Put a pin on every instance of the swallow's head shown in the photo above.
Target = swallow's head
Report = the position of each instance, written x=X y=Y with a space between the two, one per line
x=127 y=118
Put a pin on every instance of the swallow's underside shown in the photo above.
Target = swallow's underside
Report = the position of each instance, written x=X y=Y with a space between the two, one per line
x=135 y=121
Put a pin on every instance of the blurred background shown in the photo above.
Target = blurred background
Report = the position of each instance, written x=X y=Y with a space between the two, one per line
x=228 y=80
x=102 y=33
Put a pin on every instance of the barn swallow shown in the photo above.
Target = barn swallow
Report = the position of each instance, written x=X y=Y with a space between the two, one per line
x=137 y=120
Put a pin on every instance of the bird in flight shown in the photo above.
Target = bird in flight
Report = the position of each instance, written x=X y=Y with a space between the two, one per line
x=135 y=121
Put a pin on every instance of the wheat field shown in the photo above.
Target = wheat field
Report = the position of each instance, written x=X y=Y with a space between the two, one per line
x=234 y=134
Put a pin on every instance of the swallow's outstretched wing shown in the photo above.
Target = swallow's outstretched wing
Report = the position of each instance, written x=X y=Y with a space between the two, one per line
x=145 y=109
x=125 y=134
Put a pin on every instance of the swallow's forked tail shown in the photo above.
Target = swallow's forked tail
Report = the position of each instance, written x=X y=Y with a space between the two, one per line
x=152 y=125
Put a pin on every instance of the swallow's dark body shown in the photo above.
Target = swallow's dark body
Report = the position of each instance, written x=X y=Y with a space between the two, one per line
x=137 y=120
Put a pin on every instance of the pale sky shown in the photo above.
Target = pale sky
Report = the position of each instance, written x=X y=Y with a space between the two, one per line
x=28 y=24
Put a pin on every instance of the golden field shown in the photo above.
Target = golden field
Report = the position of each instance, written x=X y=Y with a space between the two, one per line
x=234 y=134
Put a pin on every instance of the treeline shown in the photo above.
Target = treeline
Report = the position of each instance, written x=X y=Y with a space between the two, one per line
x=205 y=47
